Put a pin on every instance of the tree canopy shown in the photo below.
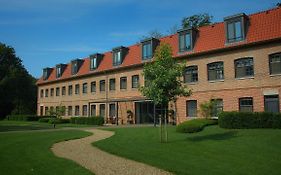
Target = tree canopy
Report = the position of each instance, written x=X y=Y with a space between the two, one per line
x=197 y=20
x=17 y=87
x=162 y=77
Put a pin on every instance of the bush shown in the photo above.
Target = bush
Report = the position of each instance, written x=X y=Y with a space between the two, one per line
x=195 y=125
x=58 y=121
x=23 y=117
x=87 y=120
x=240 y=120
x=44 y=120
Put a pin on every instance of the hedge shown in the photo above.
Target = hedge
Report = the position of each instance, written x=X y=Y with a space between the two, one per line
x=53 y=120
x=23 y=117
x=240 y=120
x=194 y=125
x=87 y=120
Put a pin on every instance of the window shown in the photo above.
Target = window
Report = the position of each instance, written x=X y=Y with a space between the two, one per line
x=42 y=93
x=123 y=83
x=271 y=103
x=147 y=50
x=244 y=67
x=77 y=89
x=85 y=88
x=74 y=67
x=84 y=112
x=117 y=58
x=70 y=90
x=93 y=86
x=102 y=110
x=58 y=71
x=93 y=110
x=215 y=71
x=191 y=108
x=51 y=109
x=57 y=91
x=112 y=84
x=234 y=31
x=184 y=41
x=69 y=112
x=135 y=81
x=275 y=63
x=52 y=92
x=191 y=74
x=46 y=92
x=246 y=104
x=41 y=110
x=46 y=110
x=218 y=107
x=112 y=112
x=102 y=85
x=63 y=89
x=46 y=73
x=93 y=63
x=77 y=111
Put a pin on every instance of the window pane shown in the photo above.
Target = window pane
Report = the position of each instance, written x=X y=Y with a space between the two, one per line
x=238 y=32
x=102 y=110
x=275 y=63
x=93 y=86
x=112 y=112
x=135 y=81
x=271 y=103
x=102 y=85
x=85 y=89
x=93 y=110
x=218 y=107
x=230 y=31
x=182 y=45
x=123 y=83
x=244 y=67
x=215 y=71
x=112 y=84
x=191 y=74
x=187 y=41
x=84 y=113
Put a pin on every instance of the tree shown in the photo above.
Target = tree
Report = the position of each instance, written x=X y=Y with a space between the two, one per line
x=197 y=20
x=153 y=34
x=206 y=108
x=17 y=88
x=162 y=79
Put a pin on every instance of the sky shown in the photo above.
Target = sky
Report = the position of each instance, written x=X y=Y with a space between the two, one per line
x=48 y=32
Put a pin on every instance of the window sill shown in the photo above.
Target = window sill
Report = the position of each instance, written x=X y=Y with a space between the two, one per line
x=275 y=75
x=192 y=83
x=184 y=52
x=134 y=89
x=146 y=60
x=229 y=43
x=243 y=78
x=123 y=89
x=215 y=81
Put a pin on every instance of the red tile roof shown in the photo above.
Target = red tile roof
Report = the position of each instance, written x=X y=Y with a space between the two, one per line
x=263 y=26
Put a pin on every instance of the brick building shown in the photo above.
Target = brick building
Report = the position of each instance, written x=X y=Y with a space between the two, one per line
x=236 y=62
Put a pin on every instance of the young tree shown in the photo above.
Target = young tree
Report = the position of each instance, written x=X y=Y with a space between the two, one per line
x=153 y=34
x=197 y=20
x=162 y=79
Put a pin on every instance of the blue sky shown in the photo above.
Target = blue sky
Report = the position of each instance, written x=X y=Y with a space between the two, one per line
x=47 y=32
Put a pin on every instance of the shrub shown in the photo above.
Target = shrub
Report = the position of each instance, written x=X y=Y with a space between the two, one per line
x=195 y=125
x=240 y=120
x=87 y=120
x=23 y=117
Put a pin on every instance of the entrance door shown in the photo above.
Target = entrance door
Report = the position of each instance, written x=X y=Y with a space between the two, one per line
x=271 y=103
x=93 y=110
x=144 y=112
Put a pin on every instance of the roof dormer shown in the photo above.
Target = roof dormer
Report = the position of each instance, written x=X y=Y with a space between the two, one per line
x=75 y=66
x=60 y=69
x=148 y=47
x=46 y=73
x=95 y=60
x=186 y=39
x=235 y=27
x=118 y=55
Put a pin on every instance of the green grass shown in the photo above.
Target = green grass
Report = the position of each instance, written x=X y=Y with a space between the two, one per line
x=212 y=151
x=26 y=125
x=29 y=153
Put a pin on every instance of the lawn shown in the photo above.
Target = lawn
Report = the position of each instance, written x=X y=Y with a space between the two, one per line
x=29 y=152
x=27 y=125
x=212 y=151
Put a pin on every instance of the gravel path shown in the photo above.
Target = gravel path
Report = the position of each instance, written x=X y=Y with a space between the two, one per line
x=100 y=162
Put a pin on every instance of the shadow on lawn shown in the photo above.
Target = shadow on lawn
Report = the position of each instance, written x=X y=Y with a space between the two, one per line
x=217 y=136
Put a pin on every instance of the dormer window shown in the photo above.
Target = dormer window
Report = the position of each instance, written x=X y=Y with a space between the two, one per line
x=46 y=73
x=118 y=55
x=235 y=27
x=58 y=71
x=186 y=39
x=95 y=60
x=75 y=65
x=148 y=47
